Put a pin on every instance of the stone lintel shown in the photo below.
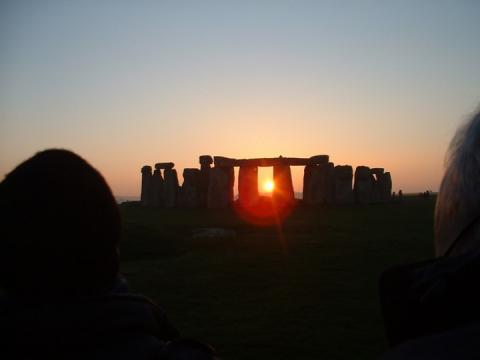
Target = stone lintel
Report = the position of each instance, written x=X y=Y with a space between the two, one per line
x=221 y=161
x=164 y=165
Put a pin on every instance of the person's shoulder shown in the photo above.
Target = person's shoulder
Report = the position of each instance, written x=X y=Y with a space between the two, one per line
x=114 y=326
x=460 y=343
x=138 y=309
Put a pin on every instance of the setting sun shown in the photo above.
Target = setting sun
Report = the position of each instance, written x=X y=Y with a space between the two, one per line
x=268 y=186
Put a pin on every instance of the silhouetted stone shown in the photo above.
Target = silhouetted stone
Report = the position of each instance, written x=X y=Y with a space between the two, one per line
x=170 y=189
x=283 y=191
x=377 y=171
x=248 y=185
x=385 y=187
x=146 y=192
x=320 y=184
x=264 y=162
x=221 y=161
x=375 y=197
x=364 y=185
x=157 y=188
x=231 y=182
x=343 y=184
x=318 y=159
x=220 y=188
x=164 y=165
x=190 y=191
x=205 y=160
x=307 y=175
x=382 y=187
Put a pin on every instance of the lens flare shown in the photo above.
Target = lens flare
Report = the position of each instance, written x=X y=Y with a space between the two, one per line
x=267 y=211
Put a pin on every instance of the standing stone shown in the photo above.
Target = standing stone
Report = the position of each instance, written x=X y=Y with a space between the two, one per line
x=343 y=184
x=190 y=192
x=170 y=188
x=205 y=160
x=320 y=185
x=157 y=188
x=220 y=190
x=231 y=182
x=318 y=159
x=388 y=186
x=248 y=185
x=383 y=185
x=146 y=191
x=283 y=191
x=307 y=176
x=384 y=182
x=205 y=163
x=377 y=171
x=364 y=185
x=377 y=175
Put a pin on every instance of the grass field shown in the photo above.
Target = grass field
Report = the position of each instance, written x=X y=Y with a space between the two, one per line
x=306 y=291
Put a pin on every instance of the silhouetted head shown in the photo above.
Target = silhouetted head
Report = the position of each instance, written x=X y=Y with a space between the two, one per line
x=59 y=229
x=457 y=213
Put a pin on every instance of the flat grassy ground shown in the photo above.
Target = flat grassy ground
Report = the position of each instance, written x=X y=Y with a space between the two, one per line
x=308 y=291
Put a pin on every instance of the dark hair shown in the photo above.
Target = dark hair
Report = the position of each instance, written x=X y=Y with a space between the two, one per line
x=59 y=228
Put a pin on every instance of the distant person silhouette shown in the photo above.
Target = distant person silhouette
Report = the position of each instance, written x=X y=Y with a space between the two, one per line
x=432 y=309
x=62 y=294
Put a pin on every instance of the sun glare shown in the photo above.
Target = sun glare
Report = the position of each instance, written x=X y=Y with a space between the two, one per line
x=268 y=186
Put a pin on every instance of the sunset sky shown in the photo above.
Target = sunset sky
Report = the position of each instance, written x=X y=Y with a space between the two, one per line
x=129 y=83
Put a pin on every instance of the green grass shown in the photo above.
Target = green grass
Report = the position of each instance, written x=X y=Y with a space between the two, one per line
x=308 y=291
